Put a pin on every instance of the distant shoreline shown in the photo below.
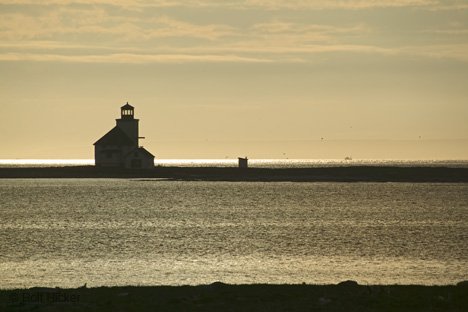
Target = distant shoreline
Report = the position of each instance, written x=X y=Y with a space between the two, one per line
x=345 y=296
x=316 y=174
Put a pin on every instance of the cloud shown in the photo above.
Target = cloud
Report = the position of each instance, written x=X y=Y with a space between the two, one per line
x=227 y=54
x=458 y=52
x=280 y=33
x=96 y=26
x=93 y=32
x=336 y=4
x=130 y=58
x=248 y=4
x=242 y=53
x=97 y=22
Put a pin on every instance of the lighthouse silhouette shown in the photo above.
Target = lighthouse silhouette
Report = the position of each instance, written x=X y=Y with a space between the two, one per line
x=120 y=146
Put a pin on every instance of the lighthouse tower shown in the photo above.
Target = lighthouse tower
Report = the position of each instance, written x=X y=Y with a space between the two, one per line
x=128 y=123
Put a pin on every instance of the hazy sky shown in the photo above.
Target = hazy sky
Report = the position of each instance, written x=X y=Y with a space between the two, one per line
x=263 y=78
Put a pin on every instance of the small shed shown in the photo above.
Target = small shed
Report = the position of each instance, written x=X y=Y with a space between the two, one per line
x=243 y=162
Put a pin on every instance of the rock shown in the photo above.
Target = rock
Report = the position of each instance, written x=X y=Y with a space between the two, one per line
x=217 y=284
x=348 y=283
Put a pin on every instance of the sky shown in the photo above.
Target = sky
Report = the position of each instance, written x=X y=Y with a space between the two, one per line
x=384 y=79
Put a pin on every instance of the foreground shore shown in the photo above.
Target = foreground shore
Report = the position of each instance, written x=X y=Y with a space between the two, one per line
x=346 y=296
x=323 y=174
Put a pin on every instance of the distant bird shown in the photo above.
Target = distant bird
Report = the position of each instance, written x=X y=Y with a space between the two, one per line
x=84 y=286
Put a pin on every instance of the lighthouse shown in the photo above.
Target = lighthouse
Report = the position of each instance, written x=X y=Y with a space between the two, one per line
x=119 y=147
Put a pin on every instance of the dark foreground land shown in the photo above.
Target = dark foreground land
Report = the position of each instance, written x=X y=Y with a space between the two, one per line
x=324 y=174
x=346 y=296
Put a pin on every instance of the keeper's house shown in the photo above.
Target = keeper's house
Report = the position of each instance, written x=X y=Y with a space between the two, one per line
x=119 y=147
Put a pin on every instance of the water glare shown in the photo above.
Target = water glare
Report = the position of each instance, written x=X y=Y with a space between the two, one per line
x=113 y=232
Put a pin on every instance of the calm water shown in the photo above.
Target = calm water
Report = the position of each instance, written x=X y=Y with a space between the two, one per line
x=68 y=232
x=260 y=163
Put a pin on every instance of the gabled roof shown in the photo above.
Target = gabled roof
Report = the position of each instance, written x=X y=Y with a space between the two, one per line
x=141 y=150
x=115 y=137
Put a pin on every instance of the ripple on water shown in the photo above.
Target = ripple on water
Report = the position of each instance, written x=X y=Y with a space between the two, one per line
x=116 y=232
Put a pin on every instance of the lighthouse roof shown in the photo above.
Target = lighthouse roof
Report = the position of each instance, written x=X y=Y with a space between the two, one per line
x=127 y=106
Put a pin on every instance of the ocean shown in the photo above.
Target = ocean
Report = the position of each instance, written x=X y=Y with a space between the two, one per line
x=106 y=232
x=257 y=163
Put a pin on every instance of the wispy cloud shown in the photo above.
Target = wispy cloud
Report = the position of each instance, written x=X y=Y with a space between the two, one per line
x=97 y=21
x=457 y=52
x=130 y=58
x=336 y=4
x=94 y=32
x=246 y=4
x=241 y=54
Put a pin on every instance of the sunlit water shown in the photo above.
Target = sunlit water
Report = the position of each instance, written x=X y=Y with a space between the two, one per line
x=67 y=232
x=260 y=163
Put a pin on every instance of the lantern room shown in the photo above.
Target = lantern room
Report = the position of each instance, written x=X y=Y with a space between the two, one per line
x=127 y=111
